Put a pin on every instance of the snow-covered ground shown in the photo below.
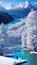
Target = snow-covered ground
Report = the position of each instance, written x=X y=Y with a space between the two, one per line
x=10 y=61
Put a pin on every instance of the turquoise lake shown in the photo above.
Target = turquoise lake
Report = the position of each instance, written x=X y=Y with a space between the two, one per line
x=20 y=53
x=32 y=58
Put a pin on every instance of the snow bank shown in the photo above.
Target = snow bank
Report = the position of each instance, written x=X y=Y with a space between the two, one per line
x=10 y=61
x=7 y=61
x=33 y=52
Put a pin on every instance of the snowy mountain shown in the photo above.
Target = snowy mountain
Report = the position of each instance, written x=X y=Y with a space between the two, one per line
x=23 y=11
x=27 y=4
x=20 y=12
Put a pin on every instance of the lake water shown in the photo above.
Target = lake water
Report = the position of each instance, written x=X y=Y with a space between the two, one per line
x=32 y=58
x=20 y=54
x=15 y=21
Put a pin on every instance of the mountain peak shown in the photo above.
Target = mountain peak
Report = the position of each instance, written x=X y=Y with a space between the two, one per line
x=27 y=4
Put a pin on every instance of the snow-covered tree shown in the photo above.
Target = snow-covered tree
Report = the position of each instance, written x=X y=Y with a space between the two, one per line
x=29 y=36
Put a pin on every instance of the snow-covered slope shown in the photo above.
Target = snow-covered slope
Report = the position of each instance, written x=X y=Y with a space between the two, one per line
x=21 y=12
x=11 y=61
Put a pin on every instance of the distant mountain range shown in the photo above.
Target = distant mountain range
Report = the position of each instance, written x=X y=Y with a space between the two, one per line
x=20 y=12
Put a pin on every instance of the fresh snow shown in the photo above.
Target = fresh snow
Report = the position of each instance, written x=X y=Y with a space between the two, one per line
x=33 y=52
x=10 y=61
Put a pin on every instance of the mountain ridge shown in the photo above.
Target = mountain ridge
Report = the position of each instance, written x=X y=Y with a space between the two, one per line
x=22 y=12
x=5 y=17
